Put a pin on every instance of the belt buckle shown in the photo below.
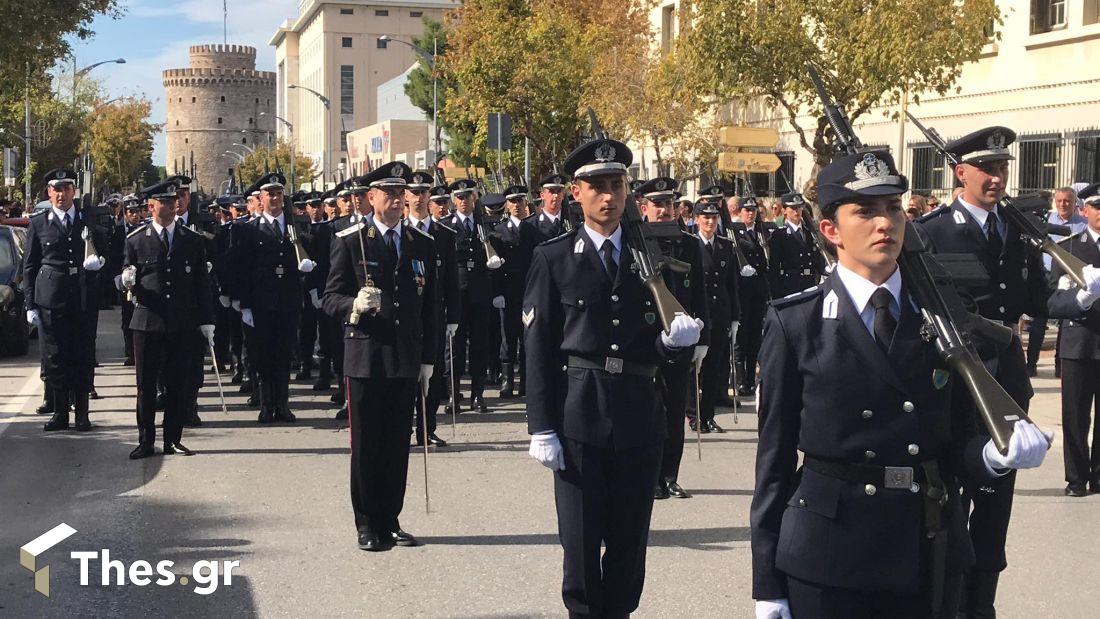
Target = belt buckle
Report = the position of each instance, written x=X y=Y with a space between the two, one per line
x=73 y=270
x=613 y=365
x=898 y=477
x=806 y=271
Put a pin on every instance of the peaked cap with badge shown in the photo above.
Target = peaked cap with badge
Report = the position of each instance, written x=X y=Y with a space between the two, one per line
x=598 y=158
x=989 y=144
x=862 y=175
x=660 y=188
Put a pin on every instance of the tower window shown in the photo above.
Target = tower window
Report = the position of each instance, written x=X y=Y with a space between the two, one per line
x=382 y=43
x=250 y=121
x=192 y=99
x=244 y=140
x=416 y=13
x=223 y=98
x=381 y=13
x=345 y=41
x=219 y=120
x=186 y=141
x=347 y=11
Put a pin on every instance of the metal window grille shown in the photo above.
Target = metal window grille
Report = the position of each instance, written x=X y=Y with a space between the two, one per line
x=928 y=167
x=347 y=89
x=1038 y=161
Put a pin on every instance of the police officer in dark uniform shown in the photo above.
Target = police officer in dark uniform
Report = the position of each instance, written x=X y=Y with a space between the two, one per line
x=551 y=222
x=165 y=270
x=722 y=275
x=1017 y=285
x=753 y=294
x=449 y=298
x=871 y=525
x=133 y=211
x=224 y=314
x=795 y=263
x=515 y=239
x=593 y=347
x=62 y=297
x=472 y=339
x=439 y=203
x=676 y=381
x=387 y=299
x=322 y=329
x=271 y=296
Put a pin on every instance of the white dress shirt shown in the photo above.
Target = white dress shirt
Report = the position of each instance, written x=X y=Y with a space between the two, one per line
x=860 y=290
x=616 y=239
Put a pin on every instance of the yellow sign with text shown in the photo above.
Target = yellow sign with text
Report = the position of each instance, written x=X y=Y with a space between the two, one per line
x=754 y=137
x=748 y=162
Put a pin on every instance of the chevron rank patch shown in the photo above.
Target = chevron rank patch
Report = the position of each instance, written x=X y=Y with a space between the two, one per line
x=528 y=316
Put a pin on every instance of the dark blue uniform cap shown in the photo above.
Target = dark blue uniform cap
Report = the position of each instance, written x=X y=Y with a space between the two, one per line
x=163 y=190
x=439 y=193
x=421 y=179
x=274 y=180
x=660 y=188
x=462 y=185
x=60 y=176
x=793 y=199
x=708 y=208
x=1090 y=195
x=598 y=158
x=515 y=192
x=989 y=144
x=392 y=174
x=554 y=181
x=863 y=175
x=712 y=192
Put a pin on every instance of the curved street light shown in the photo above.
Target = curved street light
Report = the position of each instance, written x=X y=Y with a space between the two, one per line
x=78 y=74
x=235 y=154
x=245 y=146
x=429 y=57
x=324 y=142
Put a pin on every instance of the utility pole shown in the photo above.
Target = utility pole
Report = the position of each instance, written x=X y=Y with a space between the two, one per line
x=27 y=145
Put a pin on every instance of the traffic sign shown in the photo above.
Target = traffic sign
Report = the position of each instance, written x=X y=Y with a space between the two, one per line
x=748 y=162
x=761 y=137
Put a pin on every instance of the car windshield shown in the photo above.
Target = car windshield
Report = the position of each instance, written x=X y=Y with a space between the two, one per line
x=7 y=256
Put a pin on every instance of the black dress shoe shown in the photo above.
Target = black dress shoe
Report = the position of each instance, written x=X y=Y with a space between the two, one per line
x=246 y=386
x=92 y=394
x=1032 y=371
x=746 y=391
x=341 y=414
x=83 y=424
x=193 y=421
x=337 y=397
x=321 y=385
x=128 y=362
x=714 y=427
x=1076 y=490
x=691 y=423
x=675 y=490
x=372 y=543
x=59 y=421
x=661 y=492
x=284 y=415
x=142 y=451
x=435 y=440
x=266 y=416
x=177 y=448
x=401 y=538
x=303 y=375
x=479 y=404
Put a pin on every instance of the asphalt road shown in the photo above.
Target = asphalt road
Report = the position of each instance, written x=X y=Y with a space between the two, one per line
x=275 y=499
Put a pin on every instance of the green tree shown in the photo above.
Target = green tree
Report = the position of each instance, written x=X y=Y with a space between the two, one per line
x=869 y=52
x=269 y=159
x=120 y=140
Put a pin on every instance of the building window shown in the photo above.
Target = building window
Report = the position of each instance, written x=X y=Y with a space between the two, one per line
x=1047 y=15
x=381 y=13
x=1091 y=12
x=177 y=123
x=1038 y=163
x=382 y=43
x=250 y=120
x=1087 y=166
x=192 y=99
x=219 y=120
x=347 y=11
x=347 y=89
x=668 y=27
x=186 y=141
x=785 y=174
x=223 y=98
x=244 y=140
x=928 y=169
x=345 y=42
x=416 y=13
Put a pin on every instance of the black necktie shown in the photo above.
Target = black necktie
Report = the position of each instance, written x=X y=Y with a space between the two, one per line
x=67 y=224
x=710 y=248
x=609 y=259
x=164 y=238
x=885 y=323
x=993 y=234
x=469 y=225
x=391 y=244
x=423 y=227
x=752 y=234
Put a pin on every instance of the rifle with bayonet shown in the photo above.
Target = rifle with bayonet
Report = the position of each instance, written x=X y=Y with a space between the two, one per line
x=1072 y=265
x=946 y=321
x=479 y=223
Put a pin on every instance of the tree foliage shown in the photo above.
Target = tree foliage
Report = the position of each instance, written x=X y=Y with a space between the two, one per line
x=276 y=158
x=869 y=52
x=120 y=140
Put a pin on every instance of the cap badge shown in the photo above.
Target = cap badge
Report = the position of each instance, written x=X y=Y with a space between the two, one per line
x=604 y=153
x=661 y=185
x=171 y=189
x=871 y=167
x=996 y=140
x=60 y=174
x=397 y=169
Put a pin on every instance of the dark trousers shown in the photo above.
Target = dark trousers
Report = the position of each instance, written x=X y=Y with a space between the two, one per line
x=812 y=601
x=1036 y=333
x=236 y=337
x=155 y=356
x=380 y=420
x=67 y=339
x=750 y=333
x=511 y=334
x=1080 y=405
x=711 y=386
x=604 y=496
x=473 y=338
x=223 y=317
x=308 y=325
x=437 y=390
x=676 y=383
x=127 y=334
x=992 y=509
x=273 y=339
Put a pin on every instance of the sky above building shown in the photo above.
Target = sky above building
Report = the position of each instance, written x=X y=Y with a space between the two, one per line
x=153 y=35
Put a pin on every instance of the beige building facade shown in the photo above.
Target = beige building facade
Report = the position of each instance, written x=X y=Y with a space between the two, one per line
x=389 y=140
x=337 y=50
x=1041 y=79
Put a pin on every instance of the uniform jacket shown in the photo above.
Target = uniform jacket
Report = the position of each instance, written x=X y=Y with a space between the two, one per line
x=449 y=293
x=1017 y=280
x=754 y=291
x=721 y=274
x=173 y=289
x=53 y=273
x=269 y=277
x=394 y=342
x=473 y=276
x=795 y=264
x=690 y=288
x=828 y=390
x=1079 y=331
x=516 y=245
x=320 y=250
x=571 y=308
x=548 y=229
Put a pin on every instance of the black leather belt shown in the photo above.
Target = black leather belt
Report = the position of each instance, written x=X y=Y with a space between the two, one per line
x=889 y=477
x=613 y=365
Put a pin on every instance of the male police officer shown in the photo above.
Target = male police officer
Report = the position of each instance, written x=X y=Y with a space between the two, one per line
x=593 y=345
x=387 y=299
x=516 y=238
x=871 y=526
x=753 y=293
x=721 y=274
x=62 y=298
x=1017 y=285
x=132 y=217
x=550 y=222
x=165 y=269
x=796 y=262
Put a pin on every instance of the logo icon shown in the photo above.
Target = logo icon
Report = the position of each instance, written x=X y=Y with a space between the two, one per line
x=29 y=553
x=604 y=152
x=996 y=140
x=871 y=167
x=397 y=169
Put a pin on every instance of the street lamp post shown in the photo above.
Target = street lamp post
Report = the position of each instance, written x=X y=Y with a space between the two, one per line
x=429 y=57
x=324 y=142
x=289 y=130
x=85 y=70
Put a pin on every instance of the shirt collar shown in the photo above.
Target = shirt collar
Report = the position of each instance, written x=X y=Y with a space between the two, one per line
x=515 y=220
x=414 y=222
x=860 y=289
x=707 y=241
x=383 y=228
x=183 y=218
x=1094 y=235
x=598 y=239
x=60 y=214
x=170 y=227
x=978 y=213
x=269 y=219
x=551 y=218
x=461 y=218
x=792 y=227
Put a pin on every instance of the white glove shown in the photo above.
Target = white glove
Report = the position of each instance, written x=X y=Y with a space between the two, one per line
x=209 y=267
x=207 y=332
x=684 y=331
x=33 y=318
x=315 y=298
x=494 y=263
x=94 y=263
x=1092 y=279
x=546 y=449
x=773 y=609
x=236 y=304
x=748 y=271
x=118 y=283
x=306 y=265
x=246 y=317
x=452 y=328
x=1026 y=449
x=224 y=300
x=426 y=371
x=129 y=277
x=829 y=268
x=733 y=330
x=368 y=301
x=498 y=301
x=700 y=352
x=1085 y=299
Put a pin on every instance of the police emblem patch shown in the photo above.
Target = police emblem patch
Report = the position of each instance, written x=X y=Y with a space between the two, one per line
x=871 y=167
x=939 y=378
x=996 y=140
x=660 y=185
x=397 y=169
x=528 y=316
x=650 y=318
x=604 y=153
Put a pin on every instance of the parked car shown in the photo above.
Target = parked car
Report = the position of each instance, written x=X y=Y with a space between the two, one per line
x=14 y=330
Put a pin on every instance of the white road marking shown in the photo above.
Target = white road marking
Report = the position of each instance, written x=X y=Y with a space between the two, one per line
x=13 y=406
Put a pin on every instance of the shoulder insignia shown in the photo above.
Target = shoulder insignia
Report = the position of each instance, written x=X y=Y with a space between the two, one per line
x=352 y=229
x=445 y=227
x=136 y=230
x=561 y=237
x=39 y=214
x=417 y=231
x=578 y=247
x=528 y=316
x=829 y=308
x=936 y=212
x=960 y=219
x=796 y=297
